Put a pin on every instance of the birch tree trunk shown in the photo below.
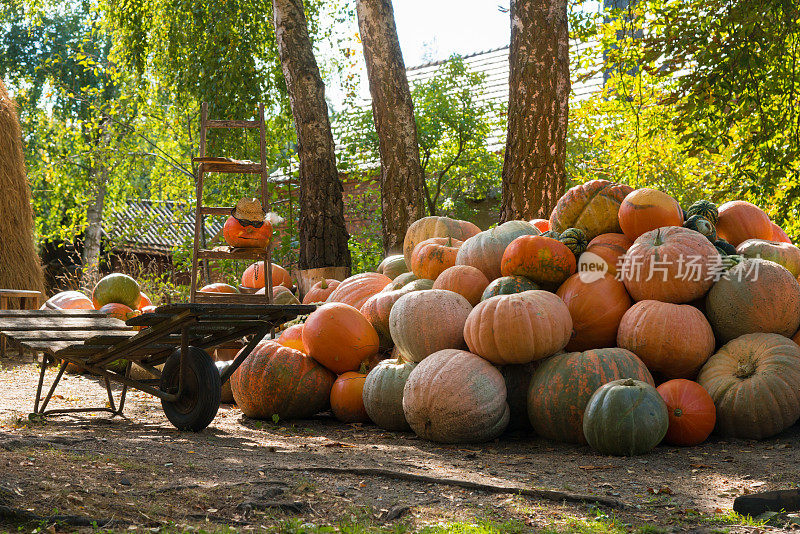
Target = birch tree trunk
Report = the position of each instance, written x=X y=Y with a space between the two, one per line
x=323 y=235
x=90 y=258
x=393 y=112
x=534 y=173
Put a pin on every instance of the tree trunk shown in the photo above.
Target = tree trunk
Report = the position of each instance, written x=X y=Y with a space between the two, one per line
x=393 y=111
x=323 y=235
x=90 y=258
x=534 y=172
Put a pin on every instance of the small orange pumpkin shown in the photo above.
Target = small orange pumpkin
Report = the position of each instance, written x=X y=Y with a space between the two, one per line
x=119 y=311
x=339 y=337
x=647 y=209
x=254 y=276
x=292 y=337
x=218 y=288
x=542 y=224
x=144 y=301
x=347 y=401
x=321 y=290
x=467 y=281
x=542 y=259
x=434 y=255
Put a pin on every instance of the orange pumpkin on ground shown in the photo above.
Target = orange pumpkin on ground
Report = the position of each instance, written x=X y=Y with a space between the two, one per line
x=740 y=220
x=611 y=248
x=670 y=264
x=672 y=339
x=240 y=236
x=518 y=328
x=69 y=300
x=435 y=226
x=647 y=209
x=321 y=290
x=541 y=259
x=277 y=380
x=465 y=280
x=691 y=412
x=434 y=255
x=779 y=235
x=218 y=288
x=358 y=288
x=292 y=337
x=542 y=224
x=254 y=276
x=596 y=308
x=347 y=402
x=592 y=206
x=339 y=337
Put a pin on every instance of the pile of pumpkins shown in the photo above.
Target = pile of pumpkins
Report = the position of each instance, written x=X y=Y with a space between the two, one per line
x=116 y=294
x=508 y=329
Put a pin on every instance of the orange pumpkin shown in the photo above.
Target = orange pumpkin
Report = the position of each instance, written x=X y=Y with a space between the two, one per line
x=253 y=276
x=596 y=308
x=541 y=259
x=434 y=226
x=778 y=234
x=119 y=311
x=434 y=255
x=740 y=220
x=647 y=209
x=518 y=328
x=69 y=300
x=691 y=412
x=672 y=339
x=670 y=264
x=277 y=380
x=611 y=248
x=484 y=251
x=378 y=307
x=144 y=301
x=292 y=337
x=542 y=224
x=339 y=337
x=358 y=288
x=347 y=401
x=218 y=288
x=238 y=235
x=465 y=280
x=321 y=290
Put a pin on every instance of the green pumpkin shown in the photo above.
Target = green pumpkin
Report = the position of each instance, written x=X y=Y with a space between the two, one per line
x=575 y=240
x=625 y=417
x=705 y=209
x=393 y=266
x=700 y=224
x=552 y=234
x=725 y=248
x=400 y=281
x=507 y=285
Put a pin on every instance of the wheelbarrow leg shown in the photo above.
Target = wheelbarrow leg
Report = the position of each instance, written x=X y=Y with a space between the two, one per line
x=45 y=362
x=110 y=395
x=124 y=390
x=55 y=383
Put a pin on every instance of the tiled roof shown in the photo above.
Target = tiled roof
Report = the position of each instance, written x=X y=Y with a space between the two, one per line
x=155 y=226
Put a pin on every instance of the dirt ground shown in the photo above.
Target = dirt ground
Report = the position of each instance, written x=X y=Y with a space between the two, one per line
x=139 y=473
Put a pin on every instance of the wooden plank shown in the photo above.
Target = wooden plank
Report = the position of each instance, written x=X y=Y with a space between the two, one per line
x=103 y=339
x=261 y=310
x=51 y=313
x=233 y=168
x=10 y=325
x=229 y=253
x=221 y=211
x=68 y=335
x=48 y=346
x=20 y=293
x=231 y=298
x=221 y=123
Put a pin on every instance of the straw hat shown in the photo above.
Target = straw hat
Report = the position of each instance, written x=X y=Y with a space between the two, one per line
x=249 y=211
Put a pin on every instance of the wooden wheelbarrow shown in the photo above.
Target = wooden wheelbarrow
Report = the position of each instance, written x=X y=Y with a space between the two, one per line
x=177 y=335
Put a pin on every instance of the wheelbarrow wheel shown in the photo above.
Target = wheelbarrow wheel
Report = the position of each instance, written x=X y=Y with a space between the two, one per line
x=199 y=401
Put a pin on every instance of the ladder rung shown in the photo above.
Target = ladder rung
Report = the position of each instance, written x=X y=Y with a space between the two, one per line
x=238 y=168
x=232 y=124
x=215 y=210
x=227 y=253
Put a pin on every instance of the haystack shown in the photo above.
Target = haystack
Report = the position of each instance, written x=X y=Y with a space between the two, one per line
x=20 y=267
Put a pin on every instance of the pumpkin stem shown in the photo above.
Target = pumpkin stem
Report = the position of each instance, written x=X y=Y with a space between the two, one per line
x=658 y=240
x=629 y=382
x=745 y=369
x=678 y=412
x=323 y=284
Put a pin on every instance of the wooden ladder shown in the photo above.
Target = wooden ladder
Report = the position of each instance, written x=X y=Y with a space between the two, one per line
x=209 y=164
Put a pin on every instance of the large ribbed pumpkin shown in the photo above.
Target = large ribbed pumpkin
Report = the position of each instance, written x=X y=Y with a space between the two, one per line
x=691 y=410
x=69 y=300
x=647 y=209
x=562 y=385
x=485 y=250
x=116 y=288
x=740 y=220
x=434 y=255
x=393 y=266
x=755 y=383
x=454 y=396
x=781 y=253
x=625 y=417
x=423 y=322
x=670 y=264
x=339 y=337
x=277 y=380
x=321 y=290
x=672 y=339
x=465 y=280
x=543 y=260
x=377 y=308
x=508 y=285
x=596 y=307
x=383 y=394
x=592 y=206
x=754 y=296
x=435 y=226
x=358 y=288
x=518 y=328
x=611 y=248
x=254 y=276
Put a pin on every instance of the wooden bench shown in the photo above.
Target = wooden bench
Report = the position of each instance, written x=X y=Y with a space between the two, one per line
x=27 y=300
